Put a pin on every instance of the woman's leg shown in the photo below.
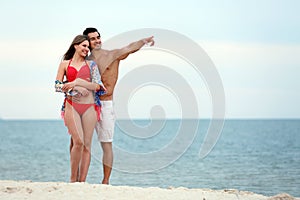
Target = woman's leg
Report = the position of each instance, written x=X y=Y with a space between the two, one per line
x=73 y=122
x=89 y=119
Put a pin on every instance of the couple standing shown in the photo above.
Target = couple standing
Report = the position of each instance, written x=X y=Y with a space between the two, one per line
x=88 y=83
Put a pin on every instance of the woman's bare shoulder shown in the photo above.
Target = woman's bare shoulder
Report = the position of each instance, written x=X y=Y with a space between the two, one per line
x=64 y=63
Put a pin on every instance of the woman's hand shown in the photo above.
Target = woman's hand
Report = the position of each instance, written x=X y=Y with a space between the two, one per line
x=68 y=86
x=102 y=87
x=81 y=91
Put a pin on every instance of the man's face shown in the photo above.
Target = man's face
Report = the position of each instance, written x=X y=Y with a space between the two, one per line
x=95 y=40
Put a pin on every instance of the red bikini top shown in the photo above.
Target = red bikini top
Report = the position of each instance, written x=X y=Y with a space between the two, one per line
x=83 y=72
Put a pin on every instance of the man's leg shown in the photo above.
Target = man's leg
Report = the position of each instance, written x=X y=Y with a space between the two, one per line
x=105 y=131
x=107 y=161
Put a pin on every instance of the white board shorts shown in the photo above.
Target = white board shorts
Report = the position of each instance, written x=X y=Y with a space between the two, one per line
x=105 y=127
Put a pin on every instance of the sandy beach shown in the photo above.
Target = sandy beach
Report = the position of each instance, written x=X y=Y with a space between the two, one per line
x=60 y=190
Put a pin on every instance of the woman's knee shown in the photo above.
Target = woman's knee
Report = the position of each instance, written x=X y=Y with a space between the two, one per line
x=77 y=143
x=87 y=145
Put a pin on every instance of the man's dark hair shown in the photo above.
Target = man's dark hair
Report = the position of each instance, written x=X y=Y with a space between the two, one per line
x=90 y=30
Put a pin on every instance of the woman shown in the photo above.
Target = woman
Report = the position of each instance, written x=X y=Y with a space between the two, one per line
x=80 y=116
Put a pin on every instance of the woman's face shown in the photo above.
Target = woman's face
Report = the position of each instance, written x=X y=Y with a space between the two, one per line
x=83 y=48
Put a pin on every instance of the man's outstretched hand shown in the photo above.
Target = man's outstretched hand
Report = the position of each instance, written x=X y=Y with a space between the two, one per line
x=149 y=41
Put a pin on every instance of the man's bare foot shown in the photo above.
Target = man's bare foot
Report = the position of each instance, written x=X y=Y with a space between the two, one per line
x=105 y=181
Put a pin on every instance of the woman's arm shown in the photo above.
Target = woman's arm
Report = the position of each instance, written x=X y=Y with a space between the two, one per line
x=60 y=77
x=61 y=71
x=80 y=82
x=94 y=85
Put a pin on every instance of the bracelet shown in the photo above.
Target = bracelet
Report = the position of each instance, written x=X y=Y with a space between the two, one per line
x=58 y=86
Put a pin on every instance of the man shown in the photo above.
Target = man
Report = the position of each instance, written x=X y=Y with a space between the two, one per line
x=108 y=63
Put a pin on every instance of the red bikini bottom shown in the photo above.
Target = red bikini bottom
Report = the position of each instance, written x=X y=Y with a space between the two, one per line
x=81 y=108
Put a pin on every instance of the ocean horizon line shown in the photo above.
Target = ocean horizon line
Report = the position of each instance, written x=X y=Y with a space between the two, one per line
x=145 y=119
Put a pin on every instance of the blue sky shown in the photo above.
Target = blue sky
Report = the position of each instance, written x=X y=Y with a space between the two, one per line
x=255 y=46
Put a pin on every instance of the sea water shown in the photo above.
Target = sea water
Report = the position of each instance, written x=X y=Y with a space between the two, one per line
x=261 y=156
